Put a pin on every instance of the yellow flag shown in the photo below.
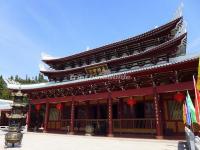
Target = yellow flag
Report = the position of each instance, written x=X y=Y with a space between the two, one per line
x=184 y=114
x=198 y=77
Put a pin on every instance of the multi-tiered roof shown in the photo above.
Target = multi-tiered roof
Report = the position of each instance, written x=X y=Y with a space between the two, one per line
x=150 y=48
x=160 y=49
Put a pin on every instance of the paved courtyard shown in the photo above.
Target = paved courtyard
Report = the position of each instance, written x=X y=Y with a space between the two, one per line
x=42 y=141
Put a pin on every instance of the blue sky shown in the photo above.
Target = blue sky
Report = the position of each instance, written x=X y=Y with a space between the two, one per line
x=64 y=27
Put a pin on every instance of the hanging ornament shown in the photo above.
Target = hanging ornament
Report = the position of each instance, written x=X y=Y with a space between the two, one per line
x=58 y=106
x=37 y=107
x=131 y=101
x=179 y=97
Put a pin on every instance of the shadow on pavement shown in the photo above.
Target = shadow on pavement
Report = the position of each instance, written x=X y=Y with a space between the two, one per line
x=182 y=145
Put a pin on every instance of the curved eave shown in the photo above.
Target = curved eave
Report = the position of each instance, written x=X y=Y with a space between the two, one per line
x=160 y=49
x=162 y=28
x=177 y=63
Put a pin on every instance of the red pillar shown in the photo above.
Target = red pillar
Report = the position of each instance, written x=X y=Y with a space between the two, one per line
x=120 y=108
x=46 y=119
x=98 y=110
x=110 y=121
x=120 y=111
x=159 y=129
x=72 y=118
x=60 y=111
x=87 y=110
x=28 y=122
x=60 y=115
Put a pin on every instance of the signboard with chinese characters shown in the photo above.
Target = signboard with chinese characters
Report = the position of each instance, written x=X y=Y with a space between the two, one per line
x=97 y=70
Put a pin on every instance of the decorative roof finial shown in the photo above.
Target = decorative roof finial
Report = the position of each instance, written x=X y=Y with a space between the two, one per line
x=46 y=56
x=179 y=11
x=184 y=27
x=42 y=67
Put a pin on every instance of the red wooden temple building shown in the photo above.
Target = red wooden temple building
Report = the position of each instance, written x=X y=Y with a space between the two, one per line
x=133 y=86
x=5 y=107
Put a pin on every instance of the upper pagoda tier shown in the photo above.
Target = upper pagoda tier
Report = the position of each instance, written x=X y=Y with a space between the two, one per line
x=159 y=32
x=157 y=45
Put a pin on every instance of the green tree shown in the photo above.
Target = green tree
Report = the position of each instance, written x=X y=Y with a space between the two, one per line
x=16 y=78
x=4 y=92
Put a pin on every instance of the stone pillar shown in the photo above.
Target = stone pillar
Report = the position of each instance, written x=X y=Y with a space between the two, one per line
x=46 y=119
x=110 y=121
x=159 y=129
x=72 y=117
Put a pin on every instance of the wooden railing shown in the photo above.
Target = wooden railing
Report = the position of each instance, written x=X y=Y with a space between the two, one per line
x=147 y=123
x=80 y=124
x=59 y=124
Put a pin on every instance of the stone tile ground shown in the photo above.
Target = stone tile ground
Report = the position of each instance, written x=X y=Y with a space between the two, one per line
x=47 y=141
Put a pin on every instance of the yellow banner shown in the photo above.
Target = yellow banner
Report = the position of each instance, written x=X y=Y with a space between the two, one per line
x=184 y=114
x=198 y=77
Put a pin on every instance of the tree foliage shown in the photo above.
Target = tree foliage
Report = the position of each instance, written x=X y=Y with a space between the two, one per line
x=28 y=80
x=5 y=93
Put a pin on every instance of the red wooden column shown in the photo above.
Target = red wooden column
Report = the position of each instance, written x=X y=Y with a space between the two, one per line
x=98 y=110
x=120 y=108
x=159 y=129
x=110 y=120
x=87 y=110
x=60 y=115
x=28 y=122
x=61 y=111
x=46 y=119
x=72 y=117
x=120 y=111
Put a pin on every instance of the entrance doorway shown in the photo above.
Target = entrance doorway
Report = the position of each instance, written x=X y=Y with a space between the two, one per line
x=139 y=110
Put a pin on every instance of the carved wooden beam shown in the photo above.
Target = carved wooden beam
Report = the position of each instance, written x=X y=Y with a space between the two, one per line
x=137 y=83
x=176 y=73
x=153 y=80
x=121 y=85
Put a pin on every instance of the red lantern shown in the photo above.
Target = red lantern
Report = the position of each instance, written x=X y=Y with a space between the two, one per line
x=179 y=97
x=58 y=106
x=131 y=101
x=37 y=107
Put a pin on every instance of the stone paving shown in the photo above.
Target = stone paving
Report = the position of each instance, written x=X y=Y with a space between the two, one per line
x=48 y=141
